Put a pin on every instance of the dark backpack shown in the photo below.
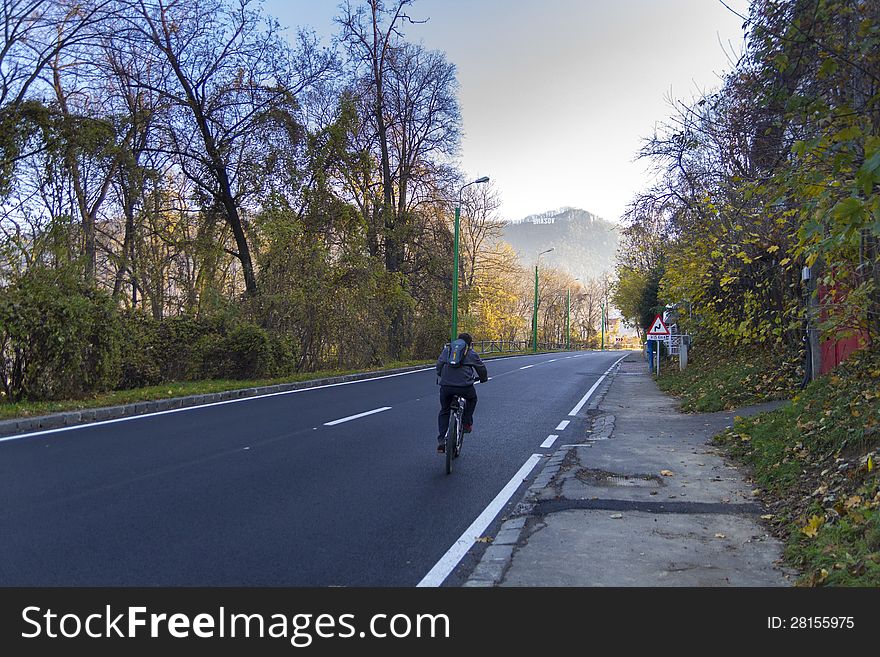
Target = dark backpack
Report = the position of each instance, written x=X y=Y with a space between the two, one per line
x=457 y=351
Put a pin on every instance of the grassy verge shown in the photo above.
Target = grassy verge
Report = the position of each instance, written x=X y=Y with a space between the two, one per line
x=815 y=460
x=185 y=389
x=718 y=380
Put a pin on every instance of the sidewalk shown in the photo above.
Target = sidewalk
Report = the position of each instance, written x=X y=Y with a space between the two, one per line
x=636 y=495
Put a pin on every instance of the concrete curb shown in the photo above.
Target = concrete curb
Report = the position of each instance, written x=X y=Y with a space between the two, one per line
x=84 y=416
x=498 y=556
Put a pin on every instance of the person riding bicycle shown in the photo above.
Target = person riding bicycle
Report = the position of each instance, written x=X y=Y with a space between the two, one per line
x=458 y=380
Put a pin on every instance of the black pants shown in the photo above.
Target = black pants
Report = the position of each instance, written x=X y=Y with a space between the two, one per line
x=447 y=393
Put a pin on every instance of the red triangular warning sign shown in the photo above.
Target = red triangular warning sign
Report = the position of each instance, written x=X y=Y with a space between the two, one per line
x=658 y=327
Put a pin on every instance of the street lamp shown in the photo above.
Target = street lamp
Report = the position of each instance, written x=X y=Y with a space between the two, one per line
x=535 y=313
x=568 y=317
x=478 y=181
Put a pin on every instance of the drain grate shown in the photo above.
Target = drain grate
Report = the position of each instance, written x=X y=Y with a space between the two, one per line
x=603 y=478
x=617 y=480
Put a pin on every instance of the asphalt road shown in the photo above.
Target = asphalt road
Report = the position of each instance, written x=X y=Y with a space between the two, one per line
x=263 y=492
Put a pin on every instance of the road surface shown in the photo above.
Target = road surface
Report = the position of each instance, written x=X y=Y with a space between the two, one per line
x=337 y=485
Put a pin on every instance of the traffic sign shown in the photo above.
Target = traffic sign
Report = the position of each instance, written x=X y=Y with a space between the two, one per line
x=658 y=328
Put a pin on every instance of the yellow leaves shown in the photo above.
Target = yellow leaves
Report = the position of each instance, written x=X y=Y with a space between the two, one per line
x=852 y=502
x=667 y=473
x=784 y=262
x=811 y=529
x=772 y=249
x=870 y=463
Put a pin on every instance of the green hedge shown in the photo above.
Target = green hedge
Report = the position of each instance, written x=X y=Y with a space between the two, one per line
x=59 y=338
x=62 y=339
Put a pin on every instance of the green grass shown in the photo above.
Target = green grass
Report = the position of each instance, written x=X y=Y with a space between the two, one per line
x=716 y=380
x=185 y=389
x=845 y=553
x=815 y=458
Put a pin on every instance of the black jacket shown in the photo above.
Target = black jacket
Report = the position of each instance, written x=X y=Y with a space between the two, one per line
x=463 y=375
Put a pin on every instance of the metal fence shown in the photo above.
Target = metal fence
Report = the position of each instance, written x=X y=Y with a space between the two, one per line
x=500 y=346
x=673 y=343
x=510 y=346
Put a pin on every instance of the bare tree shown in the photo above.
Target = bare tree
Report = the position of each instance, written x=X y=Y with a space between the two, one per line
x=35 y=32
x=371 y=32
x=231 y=75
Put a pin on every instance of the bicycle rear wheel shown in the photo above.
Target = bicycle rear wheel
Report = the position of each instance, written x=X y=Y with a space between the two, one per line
x=459 y=436
x=451 y=434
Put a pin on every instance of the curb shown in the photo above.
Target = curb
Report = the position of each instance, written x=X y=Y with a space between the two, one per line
x=496 y=559
x=87 y=415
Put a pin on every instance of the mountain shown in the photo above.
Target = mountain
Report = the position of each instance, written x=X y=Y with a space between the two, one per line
x=584 y=244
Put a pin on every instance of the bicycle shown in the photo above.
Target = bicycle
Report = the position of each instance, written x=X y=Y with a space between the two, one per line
x=455 y=432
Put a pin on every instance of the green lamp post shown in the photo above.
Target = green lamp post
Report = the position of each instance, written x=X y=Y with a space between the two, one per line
x=535 y=312
x=568 y=318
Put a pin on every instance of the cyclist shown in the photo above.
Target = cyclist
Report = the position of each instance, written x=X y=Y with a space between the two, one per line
x=458 y=381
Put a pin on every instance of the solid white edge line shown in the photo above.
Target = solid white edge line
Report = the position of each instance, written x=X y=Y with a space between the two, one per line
x=584 y=399
x=454 y=554
x=550 y=440
x=562 y=425
x=355 y=417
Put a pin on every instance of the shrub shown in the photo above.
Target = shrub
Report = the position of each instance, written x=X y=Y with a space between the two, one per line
x=141 y=360
x=247 y=353
x=59 y=338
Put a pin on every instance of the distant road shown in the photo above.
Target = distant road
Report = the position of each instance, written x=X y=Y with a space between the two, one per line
x=338 y=485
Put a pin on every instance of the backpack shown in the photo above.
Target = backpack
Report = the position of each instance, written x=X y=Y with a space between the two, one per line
x=457 y=351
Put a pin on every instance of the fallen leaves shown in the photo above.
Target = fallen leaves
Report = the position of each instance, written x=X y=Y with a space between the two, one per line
x=852 y=502
x=667 y=473
x=811 y=529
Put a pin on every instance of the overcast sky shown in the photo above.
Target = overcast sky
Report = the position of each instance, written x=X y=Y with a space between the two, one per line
x=556 y=95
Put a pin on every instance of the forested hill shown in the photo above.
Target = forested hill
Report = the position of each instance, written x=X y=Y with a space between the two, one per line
x=584 y=244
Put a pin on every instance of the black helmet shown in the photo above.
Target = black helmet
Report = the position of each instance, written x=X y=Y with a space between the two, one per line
x=466 y=337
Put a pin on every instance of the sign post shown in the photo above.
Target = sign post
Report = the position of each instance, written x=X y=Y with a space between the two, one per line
x=658 y=331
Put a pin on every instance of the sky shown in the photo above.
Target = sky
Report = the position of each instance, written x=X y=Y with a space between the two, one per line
x=557 y=96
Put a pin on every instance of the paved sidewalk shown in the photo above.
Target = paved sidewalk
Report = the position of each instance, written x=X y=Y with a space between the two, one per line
x=636 y=495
